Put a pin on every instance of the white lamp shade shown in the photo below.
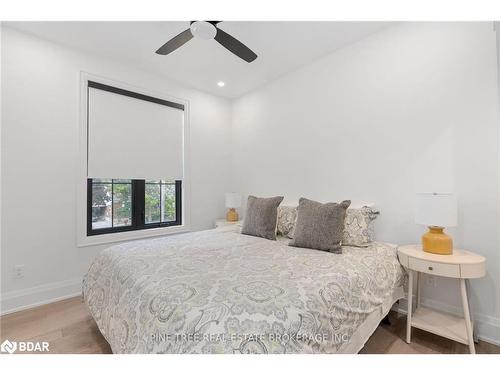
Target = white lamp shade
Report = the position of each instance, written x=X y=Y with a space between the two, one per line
x=233 y=200
x=436 y=209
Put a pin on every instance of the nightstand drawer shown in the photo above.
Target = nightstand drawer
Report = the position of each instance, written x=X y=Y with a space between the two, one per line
x=434 y=268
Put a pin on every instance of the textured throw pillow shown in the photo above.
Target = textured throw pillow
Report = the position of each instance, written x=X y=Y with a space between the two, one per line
x=287 y=215
x=358 y=230
x=261 y=217
x=320 y=226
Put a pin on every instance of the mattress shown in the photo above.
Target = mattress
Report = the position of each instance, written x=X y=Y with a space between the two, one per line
x=219 y=291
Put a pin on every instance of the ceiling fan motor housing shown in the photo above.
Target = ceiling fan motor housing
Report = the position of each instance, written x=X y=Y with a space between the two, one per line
x=203 y=30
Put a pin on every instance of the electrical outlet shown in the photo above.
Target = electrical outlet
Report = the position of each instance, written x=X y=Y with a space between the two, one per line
x=431 y=281
x=19 y=271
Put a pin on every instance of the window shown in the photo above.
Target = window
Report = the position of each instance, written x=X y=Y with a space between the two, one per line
x=133 y=140
x=111 y=203
x=159 y=203
x=118 y=205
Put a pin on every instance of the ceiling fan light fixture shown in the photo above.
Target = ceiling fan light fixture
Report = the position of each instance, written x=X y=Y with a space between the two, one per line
x=208 y=30
x=203 y=30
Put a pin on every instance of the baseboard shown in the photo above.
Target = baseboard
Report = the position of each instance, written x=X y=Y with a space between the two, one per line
x=40 y=295
x=487 y=327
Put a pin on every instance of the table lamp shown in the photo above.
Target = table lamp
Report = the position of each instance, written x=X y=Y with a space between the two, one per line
x=437 y=211
x=233 y=201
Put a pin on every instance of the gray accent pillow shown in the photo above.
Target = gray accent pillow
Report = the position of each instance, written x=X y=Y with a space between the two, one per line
x=320 y=226
x=261 y=217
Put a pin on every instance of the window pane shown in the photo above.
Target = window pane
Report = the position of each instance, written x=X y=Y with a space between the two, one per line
x=101 y=206
x=152 y=203
x=122 y=205
x=123 y=181
x=102 y=180
x=168 y=202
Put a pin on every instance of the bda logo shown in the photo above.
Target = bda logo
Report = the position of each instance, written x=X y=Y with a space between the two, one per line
x=24 y=346
x=9 y=347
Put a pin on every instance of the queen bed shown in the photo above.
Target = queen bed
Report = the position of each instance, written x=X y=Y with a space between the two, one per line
x=219 y=291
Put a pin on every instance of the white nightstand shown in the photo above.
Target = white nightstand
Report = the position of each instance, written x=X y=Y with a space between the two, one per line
x=461 y=265
x=224 y=223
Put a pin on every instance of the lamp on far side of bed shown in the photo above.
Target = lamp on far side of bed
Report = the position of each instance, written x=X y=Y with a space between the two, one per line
x=437 y=211
x=233 y=201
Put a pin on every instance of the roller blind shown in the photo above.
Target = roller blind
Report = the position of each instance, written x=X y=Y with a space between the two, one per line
x=134 y=136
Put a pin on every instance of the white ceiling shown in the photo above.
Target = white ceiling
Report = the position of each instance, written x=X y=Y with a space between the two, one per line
x=281 y=47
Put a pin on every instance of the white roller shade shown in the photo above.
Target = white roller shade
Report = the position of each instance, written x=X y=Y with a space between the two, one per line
x=129 y=137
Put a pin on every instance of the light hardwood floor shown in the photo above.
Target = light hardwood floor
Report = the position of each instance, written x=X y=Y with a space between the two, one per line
x=69 y=328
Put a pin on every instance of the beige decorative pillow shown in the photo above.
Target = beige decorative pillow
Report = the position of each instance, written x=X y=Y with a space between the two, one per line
x=287 y=216
x=358 y=226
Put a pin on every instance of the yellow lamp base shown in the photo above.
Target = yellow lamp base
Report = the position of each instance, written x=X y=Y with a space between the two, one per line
x=437 y=242
x=232 y=215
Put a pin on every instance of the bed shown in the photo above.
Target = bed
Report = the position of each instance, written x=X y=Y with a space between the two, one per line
x=218 y=291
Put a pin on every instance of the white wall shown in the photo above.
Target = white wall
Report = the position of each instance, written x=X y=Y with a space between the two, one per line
x=411 y=108
x=40 y=122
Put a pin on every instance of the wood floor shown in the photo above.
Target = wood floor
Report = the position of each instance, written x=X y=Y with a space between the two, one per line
x=69 y=328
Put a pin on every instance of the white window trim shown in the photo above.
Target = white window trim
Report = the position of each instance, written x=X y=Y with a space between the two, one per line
x=81 y=194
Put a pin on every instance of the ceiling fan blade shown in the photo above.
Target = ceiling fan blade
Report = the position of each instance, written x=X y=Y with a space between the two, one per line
x=175 y=42
x=235 y=46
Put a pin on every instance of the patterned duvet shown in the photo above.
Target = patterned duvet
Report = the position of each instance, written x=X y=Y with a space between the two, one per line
x=219 y=291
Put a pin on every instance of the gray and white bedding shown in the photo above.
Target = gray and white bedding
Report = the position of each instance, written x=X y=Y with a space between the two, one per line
x=219 y=291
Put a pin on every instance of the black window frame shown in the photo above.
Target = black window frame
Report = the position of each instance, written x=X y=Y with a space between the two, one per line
x=138 y=210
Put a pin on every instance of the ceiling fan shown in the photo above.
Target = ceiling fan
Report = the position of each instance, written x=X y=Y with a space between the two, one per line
x=208 y=30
